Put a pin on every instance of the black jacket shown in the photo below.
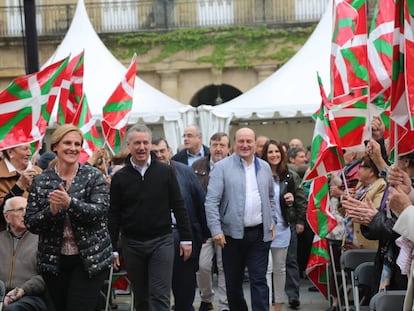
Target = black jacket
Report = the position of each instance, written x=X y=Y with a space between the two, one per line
x=141 y=206
x=88 y=213
x=193 y=196
x=295 y=214
x=380 y=228
x=182 y=156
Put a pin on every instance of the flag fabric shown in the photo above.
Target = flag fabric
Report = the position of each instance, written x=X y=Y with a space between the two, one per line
x=405 y=140
x=380 y=47
x=26 y=105
x=72 y=90
x=349 y=56
x=318 y=213
x=400 y=112
x=402 y=101
x=91 y=138
x=117 y=110
x=326 y=152
x=351 y=120
x=409 y=56
x=316 y=269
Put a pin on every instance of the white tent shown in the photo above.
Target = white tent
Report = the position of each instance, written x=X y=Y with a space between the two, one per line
x=291 y=91
x=103 y=72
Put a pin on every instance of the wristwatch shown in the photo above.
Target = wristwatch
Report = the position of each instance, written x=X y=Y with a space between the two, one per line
x=384 y=172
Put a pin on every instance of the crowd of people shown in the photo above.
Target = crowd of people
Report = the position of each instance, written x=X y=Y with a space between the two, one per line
x=237 y=207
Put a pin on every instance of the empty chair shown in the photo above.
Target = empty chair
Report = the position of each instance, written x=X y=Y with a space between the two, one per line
x=388 y=300
x=365 y=285
x=351 y=259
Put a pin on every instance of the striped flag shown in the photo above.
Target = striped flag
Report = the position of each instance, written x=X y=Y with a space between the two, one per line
x=316 y=269
x=351 y=119
x=318 y=214
x=117 y=110
x=349 y=56
x=409 y=55
x=326 y=152
x=380 y=47
x=84 y=121
x=27 y=103
x=400 y=112
x=72 y=90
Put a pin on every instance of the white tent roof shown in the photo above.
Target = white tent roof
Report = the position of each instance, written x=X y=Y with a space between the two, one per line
x=291 y=90
x=103 y=72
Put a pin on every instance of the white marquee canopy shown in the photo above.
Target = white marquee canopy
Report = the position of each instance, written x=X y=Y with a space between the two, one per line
x=103 y=72
x=291 y=91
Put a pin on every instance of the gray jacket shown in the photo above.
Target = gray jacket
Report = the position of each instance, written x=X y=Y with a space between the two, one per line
x=225 y=200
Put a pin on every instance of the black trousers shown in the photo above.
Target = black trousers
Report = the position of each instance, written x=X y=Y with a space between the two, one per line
x=73 y=289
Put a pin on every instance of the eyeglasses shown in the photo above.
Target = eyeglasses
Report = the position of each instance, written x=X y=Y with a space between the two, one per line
x=18 y=210
x=189 y=135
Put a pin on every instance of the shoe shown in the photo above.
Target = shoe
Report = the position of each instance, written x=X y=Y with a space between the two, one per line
x=206 y=306
x=294 y=303
x=313 y=289
x=332 y=308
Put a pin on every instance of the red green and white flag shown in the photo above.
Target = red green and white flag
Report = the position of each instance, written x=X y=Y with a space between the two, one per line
x=317 y=267
x=409 y=56
x=318 y=213
x=72 y=90
x=117 y=110
x=351 y=120
x=27 y=103
x=91 y=138
x=400 y=111
x=349 y=57
x=380 y=47
x=326 y=151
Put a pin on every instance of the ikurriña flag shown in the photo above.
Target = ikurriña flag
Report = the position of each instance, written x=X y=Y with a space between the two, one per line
x=326 y=151
x=27 y=103
x=318 y=213
x=316 y=269
x=72 y=90
x=349 y=56
x=84 y=121
x=351 y=121
x=117 y=110
x=380 y=47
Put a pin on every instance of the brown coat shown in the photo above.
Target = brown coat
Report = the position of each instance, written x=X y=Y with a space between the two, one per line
x=375 y=192
x=8 y=188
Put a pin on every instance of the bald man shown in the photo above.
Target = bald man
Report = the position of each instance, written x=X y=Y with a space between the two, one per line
x=239 y=207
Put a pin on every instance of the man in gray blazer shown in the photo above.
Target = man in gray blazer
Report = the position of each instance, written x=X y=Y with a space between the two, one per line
x=239 y=208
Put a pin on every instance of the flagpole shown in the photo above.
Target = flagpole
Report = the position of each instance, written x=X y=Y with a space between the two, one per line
x=334 y=275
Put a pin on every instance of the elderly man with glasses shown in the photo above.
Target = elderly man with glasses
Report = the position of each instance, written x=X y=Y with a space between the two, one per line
x=18 y=248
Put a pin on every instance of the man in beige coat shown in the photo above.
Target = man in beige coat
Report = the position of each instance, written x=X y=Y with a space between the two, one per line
x=18 y=248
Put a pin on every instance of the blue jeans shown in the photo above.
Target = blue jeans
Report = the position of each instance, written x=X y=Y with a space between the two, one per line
x=252 y=252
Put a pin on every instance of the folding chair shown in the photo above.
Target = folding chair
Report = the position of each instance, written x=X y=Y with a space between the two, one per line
x=388 y=300
x=364 y=283
x=351 y=259
x=112 y=274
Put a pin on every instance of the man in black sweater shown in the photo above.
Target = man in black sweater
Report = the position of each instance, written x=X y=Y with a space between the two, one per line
x=143 y=194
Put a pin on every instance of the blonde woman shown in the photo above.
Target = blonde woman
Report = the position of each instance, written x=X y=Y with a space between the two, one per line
x=67 y=208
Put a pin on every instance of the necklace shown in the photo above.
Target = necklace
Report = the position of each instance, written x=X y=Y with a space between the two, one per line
x=68 y=182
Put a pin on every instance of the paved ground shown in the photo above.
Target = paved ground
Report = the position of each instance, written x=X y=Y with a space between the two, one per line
x=310 y=301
